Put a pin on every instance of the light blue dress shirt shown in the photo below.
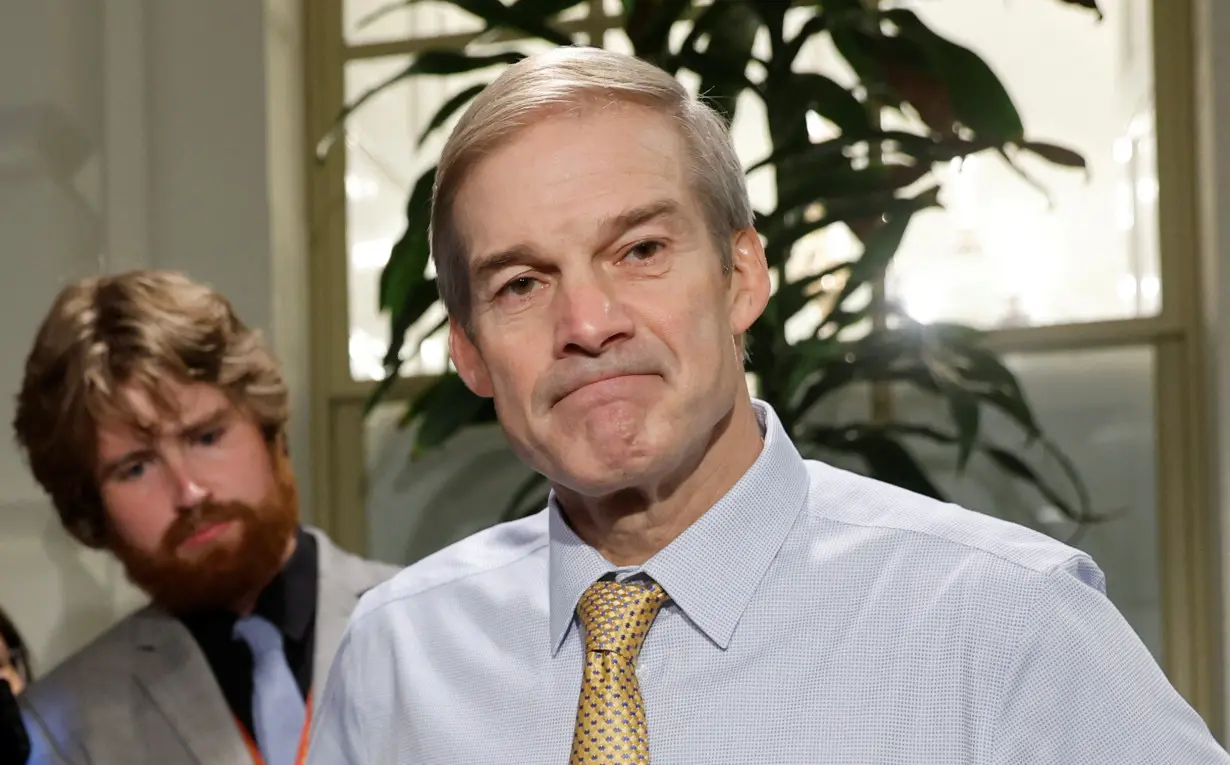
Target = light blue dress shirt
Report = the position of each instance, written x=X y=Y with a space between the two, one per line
x=815 y=616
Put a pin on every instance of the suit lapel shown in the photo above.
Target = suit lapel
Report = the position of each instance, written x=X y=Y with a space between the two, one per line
x=342 y=579
x=336 y=597
x=172 y=669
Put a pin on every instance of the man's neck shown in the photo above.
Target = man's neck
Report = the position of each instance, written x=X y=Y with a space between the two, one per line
x=631 y=526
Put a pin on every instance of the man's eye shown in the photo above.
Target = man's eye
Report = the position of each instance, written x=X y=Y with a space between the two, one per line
x=131 y=471
x=645 y=250
x=210 y=437
x=520 y=287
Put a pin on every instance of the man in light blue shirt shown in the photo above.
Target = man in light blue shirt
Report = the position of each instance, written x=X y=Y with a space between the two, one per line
x=696 y=592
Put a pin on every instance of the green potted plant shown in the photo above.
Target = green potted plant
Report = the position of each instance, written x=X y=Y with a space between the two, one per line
x=870 y=178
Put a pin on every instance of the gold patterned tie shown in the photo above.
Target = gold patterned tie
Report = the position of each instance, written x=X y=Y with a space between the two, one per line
x=611 y=724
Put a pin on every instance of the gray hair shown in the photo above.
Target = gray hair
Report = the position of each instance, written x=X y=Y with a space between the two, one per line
x=568 y=78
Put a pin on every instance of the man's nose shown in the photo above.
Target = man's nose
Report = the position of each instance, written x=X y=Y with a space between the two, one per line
x=591 y=317
x=189 y=491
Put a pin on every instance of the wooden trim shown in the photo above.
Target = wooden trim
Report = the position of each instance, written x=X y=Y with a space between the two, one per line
x=414 y=45
x=348 y=475
x=327 y=310
x=1187 y=501
x=1182 y=554
x=1097 y=334
x=402 y=389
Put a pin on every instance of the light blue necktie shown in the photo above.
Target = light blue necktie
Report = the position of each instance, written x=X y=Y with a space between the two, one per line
x=278 y=709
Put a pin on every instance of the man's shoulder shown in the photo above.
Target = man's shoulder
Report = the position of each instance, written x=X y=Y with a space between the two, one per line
x=934 y=530
x=97 y=668
x=468 y=562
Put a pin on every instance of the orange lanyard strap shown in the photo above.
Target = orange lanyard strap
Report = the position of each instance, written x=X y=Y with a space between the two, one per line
x=304 y=738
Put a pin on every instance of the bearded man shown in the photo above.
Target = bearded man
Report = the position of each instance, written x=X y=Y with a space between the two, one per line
x=156 y=421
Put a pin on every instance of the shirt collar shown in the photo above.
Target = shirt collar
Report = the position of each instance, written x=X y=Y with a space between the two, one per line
x=712 y=569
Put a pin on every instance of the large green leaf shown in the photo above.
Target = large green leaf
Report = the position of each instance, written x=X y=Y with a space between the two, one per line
x=961 y=372
x=771 y=15
x=545 y=8
x=648 y=26
x=1057 y=155
x=830 y=100
x=731 y=28
x=792 y=296
x=979 y=100
x=1080 y=511
x=966 y=414
x=782 y=235
x=437 y=62
x=407 y=264
x=405 y=291
x=816 y=179
x=788 y=99
x=881 y=246
x=1014 y=465
x=444 y=409
x=889 y=460
x=1090 y=4
x=528 y=16
x=449 y=108
x=815 y=24
x=864 y=50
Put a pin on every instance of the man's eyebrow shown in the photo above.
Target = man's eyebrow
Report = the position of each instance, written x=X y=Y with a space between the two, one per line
x=485 y=265
x=207 y=421
x=609 y=230
x=616 y=226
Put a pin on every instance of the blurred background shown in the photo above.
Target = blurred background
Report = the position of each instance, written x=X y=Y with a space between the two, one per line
x=1083 y=247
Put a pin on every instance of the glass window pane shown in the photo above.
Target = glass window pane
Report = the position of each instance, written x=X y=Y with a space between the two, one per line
x=425 y=18
x=1098 y=407
x=383 y=162
x=1002 y=253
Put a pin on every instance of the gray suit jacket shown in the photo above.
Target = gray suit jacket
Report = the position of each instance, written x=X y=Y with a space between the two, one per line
x=143 y=692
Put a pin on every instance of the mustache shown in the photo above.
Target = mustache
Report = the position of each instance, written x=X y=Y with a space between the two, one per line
x=569 y=375
x=209 y=513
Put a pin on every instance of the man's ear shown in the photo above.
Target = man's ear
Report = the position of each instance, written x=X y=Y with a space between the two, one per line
x=749 y=280
x=468 y=360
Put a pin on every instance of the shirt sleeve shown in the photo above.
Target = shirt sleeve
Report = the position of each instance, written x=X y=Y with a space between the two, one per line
x=1082 y=687
x=337 y=730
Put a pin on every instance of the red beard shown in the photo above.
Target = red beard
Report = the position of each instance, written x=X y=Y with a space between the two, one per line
x=227 y=573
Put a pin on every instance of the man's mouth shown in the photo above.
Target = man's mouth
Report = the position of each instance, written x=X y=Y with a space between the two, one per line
x=606 y=384
x=207 y=533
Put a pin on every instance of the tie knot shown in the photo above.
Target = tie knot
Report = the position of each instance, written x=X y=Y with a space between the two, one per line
x=616 y=616
x=259 y=633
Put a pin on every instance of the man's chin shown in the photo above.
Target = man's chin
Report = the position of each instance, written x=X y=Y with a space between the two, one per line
x=219 y=571
x=188 y=588
x=597 y=478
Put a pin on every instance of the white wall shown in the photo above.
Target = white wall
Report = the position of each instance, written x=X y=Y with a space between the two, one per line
x=140 y=133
